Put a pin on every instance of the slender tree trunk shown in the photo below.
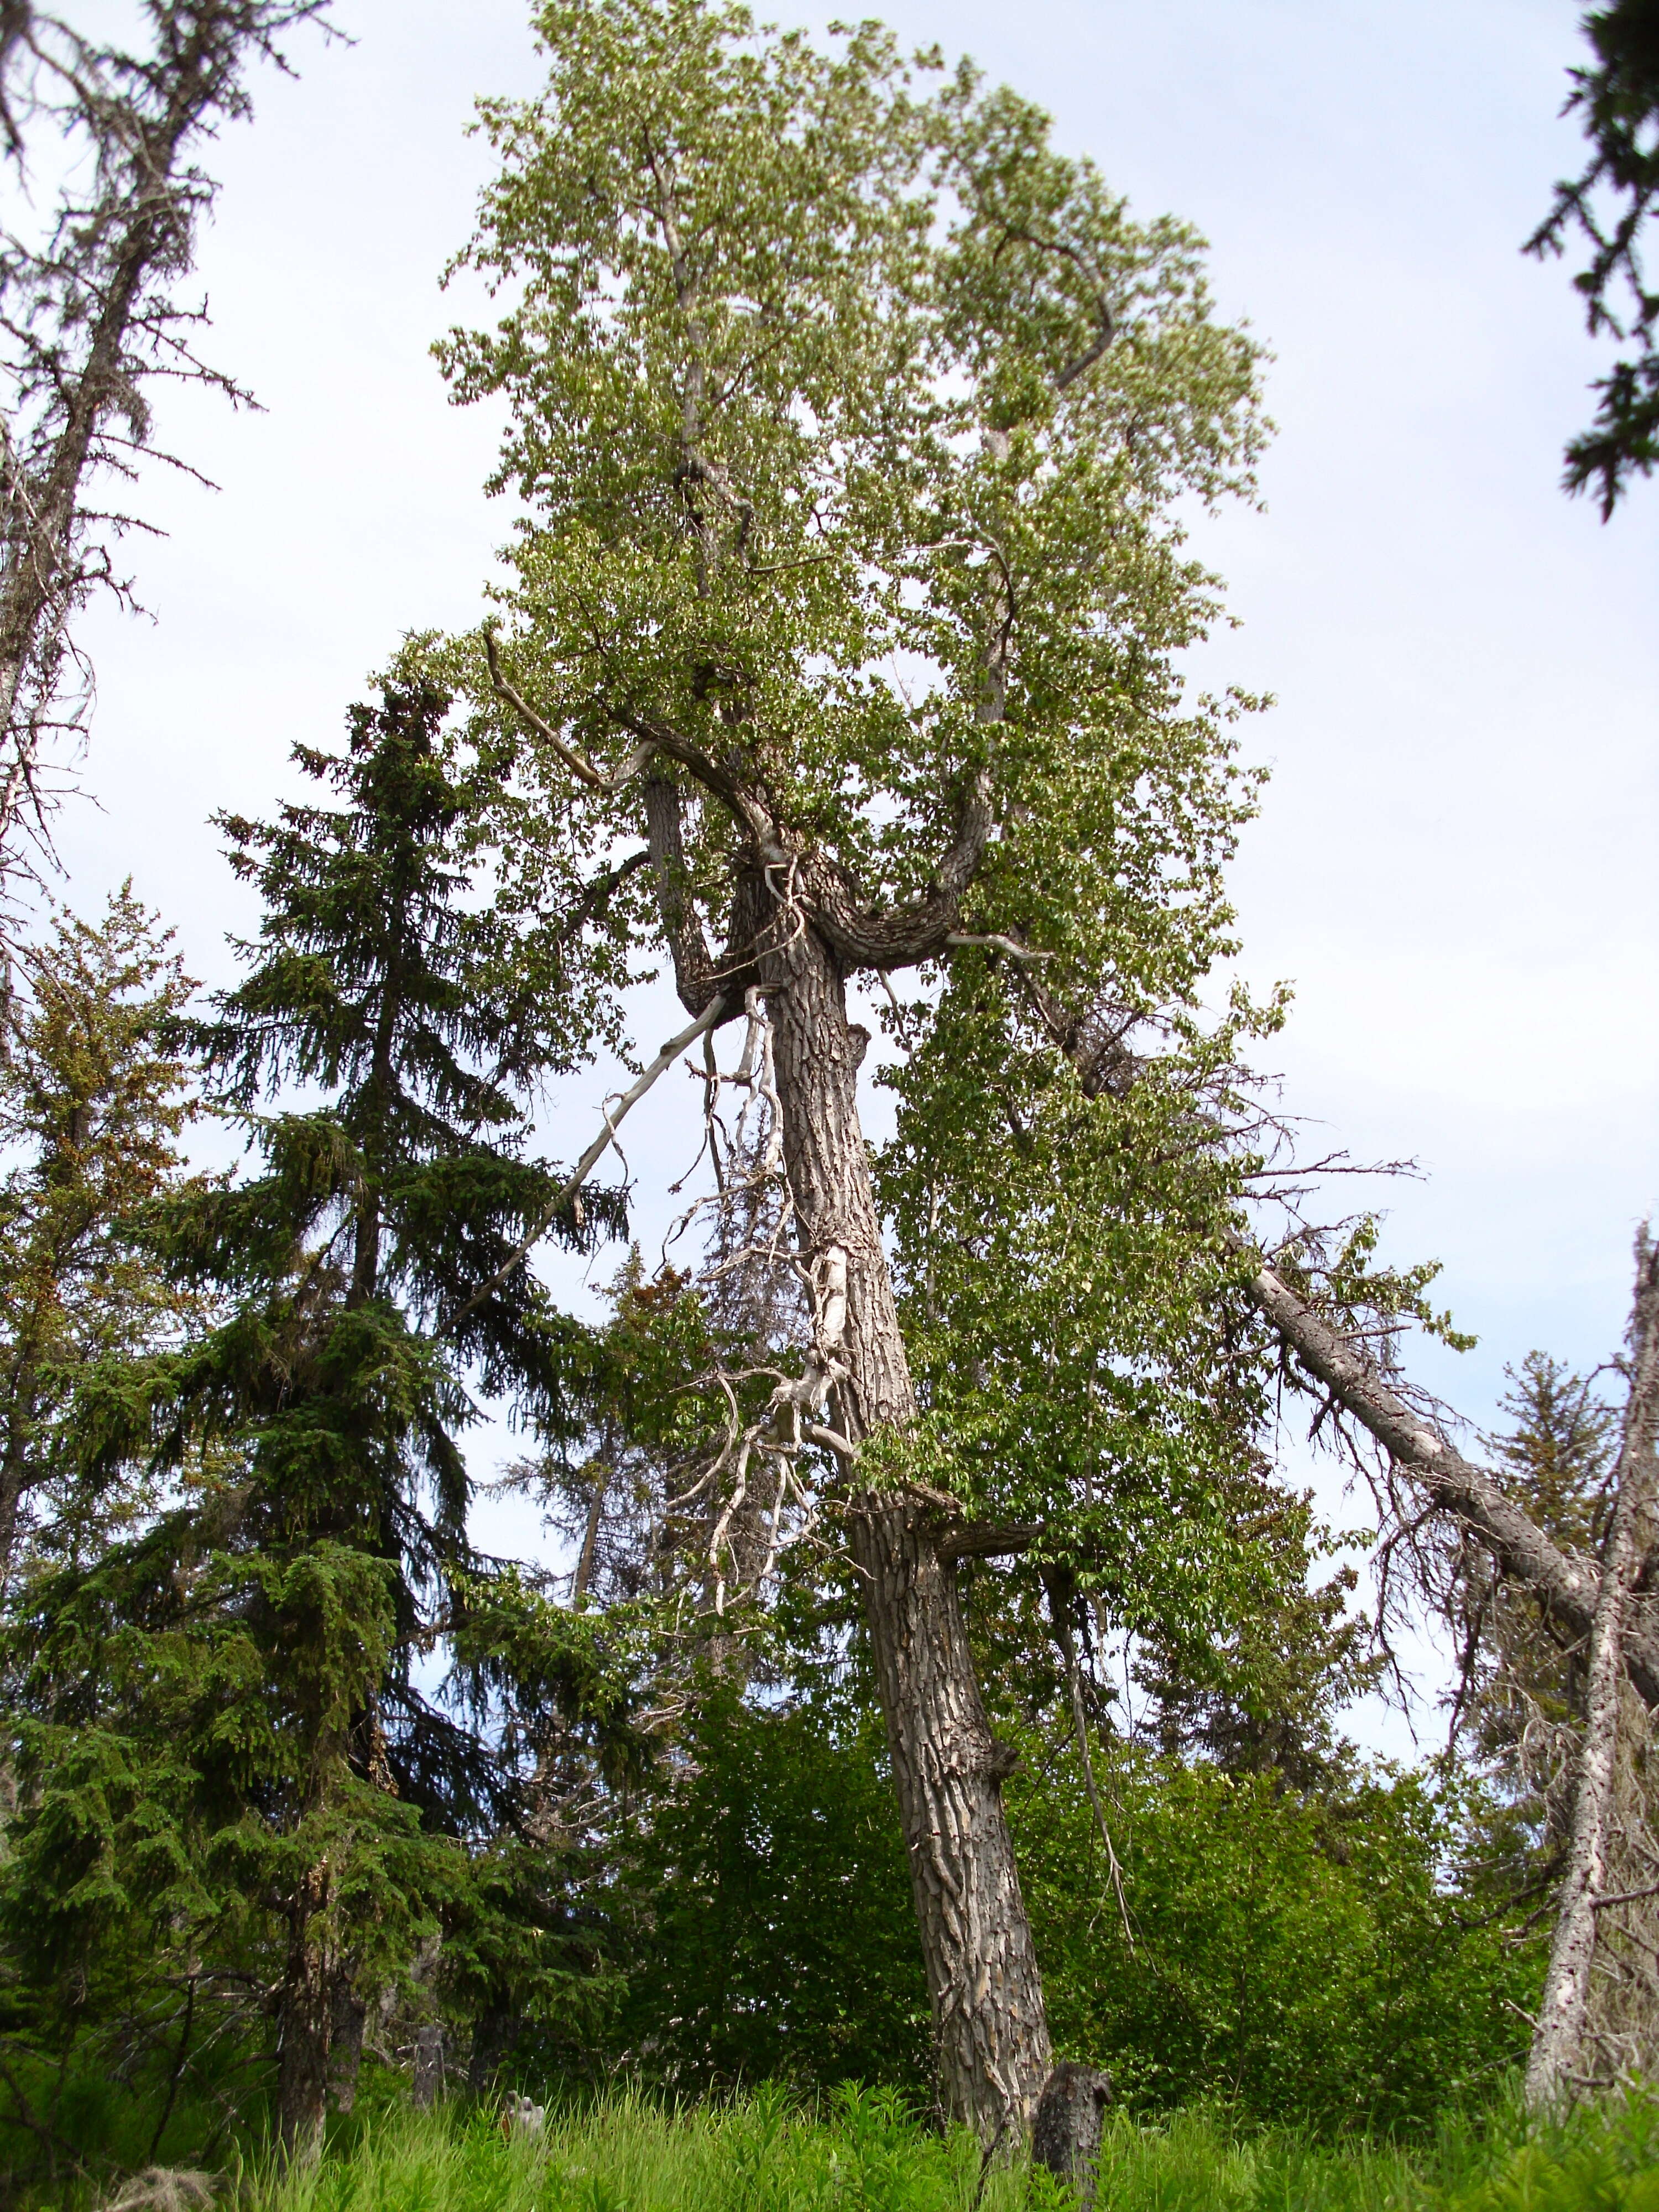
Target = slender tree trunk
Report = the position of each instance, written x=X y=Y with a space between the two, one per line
x=428 y=2083
x=91 y=325
x=14 y=1481
x=302 y=2080
x=1558 y=2045
x=991 y=2031
x=349 y=2015
x=35 y=580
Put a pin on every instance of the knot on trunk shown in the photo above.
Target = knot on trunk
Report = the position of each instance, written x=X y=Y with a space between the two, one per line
x=1065 y=2133
x=1000 y=1760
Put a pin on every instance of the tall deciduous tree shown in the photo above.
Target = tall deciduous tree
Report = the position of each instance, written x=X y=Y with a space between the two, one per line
x=854 y=423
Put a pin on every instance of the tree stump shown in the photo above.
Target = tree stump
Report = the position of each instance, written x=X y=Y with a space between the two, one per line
x=1065 y=2134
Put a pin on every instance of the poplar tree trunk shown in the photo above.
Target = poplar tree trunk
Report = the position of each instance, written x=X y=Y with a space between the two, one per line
x=1563 y=2017
x=990 y=2029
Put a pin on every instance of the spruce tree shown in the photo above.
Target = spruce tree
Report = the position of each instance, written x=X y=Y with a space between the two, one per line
x=92 y=1103
x=242 y=1754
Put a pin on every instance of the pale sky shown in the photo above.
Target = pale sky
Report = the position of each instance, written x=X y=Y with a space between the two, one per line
x=1455 y=861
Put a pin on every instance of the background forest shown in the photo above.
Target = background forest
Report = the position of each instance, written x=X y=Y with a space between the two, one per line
x=823 y=1614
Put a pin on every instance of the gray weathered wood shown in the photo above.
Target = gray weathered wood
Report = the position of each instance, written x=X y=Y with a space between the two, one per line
x=1065 y=2134
x=429 y=2067
x=1566 y=1587
x=1557 y=2041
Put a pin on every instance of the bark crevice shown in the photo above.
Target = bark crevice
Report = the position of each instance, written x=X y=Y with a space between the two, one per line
x=948 y=1767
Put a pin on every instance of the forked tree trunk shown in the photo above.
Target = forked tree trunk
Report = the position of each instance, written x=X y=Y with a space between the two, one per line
x=1557 y=2046
x=991 y=2033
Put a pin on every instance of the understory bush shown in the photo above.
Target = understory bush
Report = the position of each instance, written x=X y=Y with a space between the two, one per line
x=764 y=1922
x=1291 y=1962
x=1310 y=1961
x=1300 y=1961
x=860 y=2151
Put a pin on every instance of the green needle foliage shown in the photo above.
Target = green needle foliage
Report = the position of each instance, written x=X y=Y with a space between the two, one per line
x=857 y=431
x=92 y=1103
x=252 y=1789
x=1606 y=207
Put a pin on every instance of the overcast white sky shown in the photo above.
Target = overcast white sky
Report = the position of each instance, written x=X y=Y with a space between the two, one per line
x=1454 y=863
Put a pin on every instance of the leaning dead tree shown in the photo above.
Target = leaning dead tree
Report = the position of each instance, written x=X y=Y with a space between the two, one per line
x=1599 y=2017
x=1561 y=2060
x=1566 y=1587
x=91 y=327
x=851 y=420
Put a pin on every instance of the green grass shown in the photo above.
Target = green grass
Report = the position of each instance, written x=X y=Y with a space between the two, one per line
x=859 y=2153
x=760 y=2154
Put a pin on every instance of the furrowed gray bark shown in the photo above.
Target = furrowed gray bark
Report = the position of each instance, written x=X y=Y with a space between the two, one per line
x=990 y=2026
x=345 y=2053
x=948 y=1769
x=428 y=2083
x=307 y=2023
x=1555 y=2057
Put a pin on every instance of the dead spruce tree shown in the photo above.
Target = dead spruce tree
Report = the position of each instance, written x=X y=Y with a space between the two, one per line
x=1461 y=1523
x=852 y=422
x=91 y=327
x=1564 y=1585
x=1560 y=2053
